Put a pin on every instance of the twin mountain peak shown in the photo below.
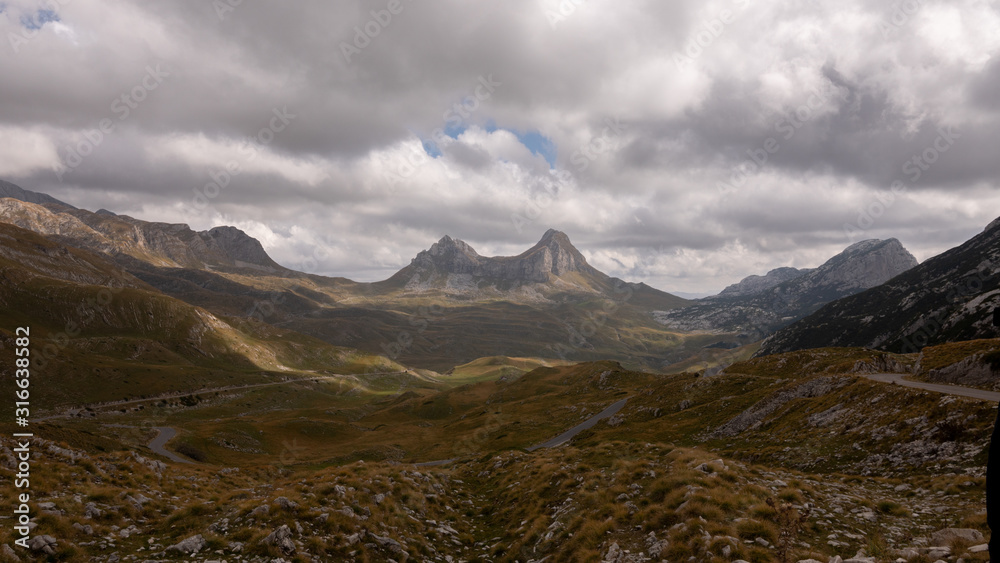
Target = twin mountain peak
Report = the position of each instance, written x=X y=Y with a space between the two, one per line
x=553 y=255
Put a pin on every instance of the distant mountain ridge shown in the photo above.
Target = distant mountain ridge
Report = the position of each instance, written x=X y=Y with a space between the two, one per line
x=860 y=266
x=751 y=285
x=949 y=297
x=449 y=306
x=10 y=190
x=159 y=244
x=553 y=255
x=550 y=268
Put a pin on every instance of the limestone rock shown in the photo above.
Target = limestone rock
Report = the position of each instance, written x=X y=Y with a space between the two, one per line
x=948 y=535
x=45 y=544
x=190 y=545
x=282 y=539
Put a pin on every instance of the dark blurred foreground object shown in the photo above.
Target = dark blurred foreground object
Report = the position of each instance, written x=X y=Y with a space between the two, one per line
x=993 y=491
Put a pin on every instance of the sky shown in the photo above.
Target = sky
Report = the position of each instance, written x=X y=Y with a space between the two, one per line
x=685 y=144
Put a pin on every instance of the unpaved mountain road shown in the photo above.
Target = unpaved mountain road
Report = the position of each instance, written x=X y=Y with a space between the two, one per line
x=589 y=423
x=165 y=434
x=72 y=412
x=897 y=378
x=559 y=440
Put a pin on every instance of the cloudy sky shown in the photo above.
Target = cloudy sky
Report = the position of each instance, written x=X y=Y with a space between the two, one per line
x=686 y=144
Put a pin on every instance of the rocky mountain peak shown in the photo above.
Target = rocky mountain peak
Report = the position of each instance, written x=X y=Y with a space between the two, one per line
x=866 y=264
x=240 y=247
x=449 y=245
x=993 y=225
x=557 y=250
x=553 y=255
x=861 y=266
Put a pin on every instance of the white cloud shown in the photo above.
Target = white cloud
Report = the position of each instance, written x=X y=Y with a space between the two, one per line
x=350 y=174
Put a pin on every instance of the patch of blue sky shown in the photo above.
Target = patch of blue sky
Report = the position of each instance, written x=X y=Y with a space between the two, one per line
x=39 y=19
x=538 y=144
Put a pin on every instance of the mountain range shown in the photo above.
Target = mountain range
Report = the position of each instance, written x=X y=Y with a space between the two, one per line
x=305 y=404
x=758 y=305
x=950 y=297
x=451 y=305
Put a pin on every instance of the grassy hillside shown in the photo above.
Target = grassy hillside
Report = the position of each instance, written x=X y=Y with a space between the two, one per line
x=98 y=334
x=866 y=466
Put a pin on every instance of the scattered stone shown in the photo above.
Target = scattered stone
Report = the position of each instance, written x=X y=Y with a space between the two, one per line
x=656 y=548
x=45 y=544
x=190 y=545
x=91 y=511
x=282 y=539
x=285 y=504
x=9 y=553
x=948 y=535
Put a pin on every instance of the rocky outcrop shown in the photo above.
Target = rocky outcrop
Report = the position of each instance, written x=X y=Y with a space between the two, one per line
x=754 y=415
x=240 y=247
x=973 y=371
x=859 y=267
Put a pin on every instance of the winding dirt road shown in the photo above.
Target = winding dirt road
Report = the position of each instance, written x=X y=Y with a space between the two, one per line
x=589 y=423
x=936 y=387
x=165 y=434
x=558 y=440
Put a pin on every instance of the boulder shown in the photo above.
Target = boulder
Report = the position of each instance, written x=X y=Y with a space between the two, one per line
x=948 y=535
x=282 y=539
x=9 y=553
x=45 y=544
x=285 y=504
x=190 y=545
